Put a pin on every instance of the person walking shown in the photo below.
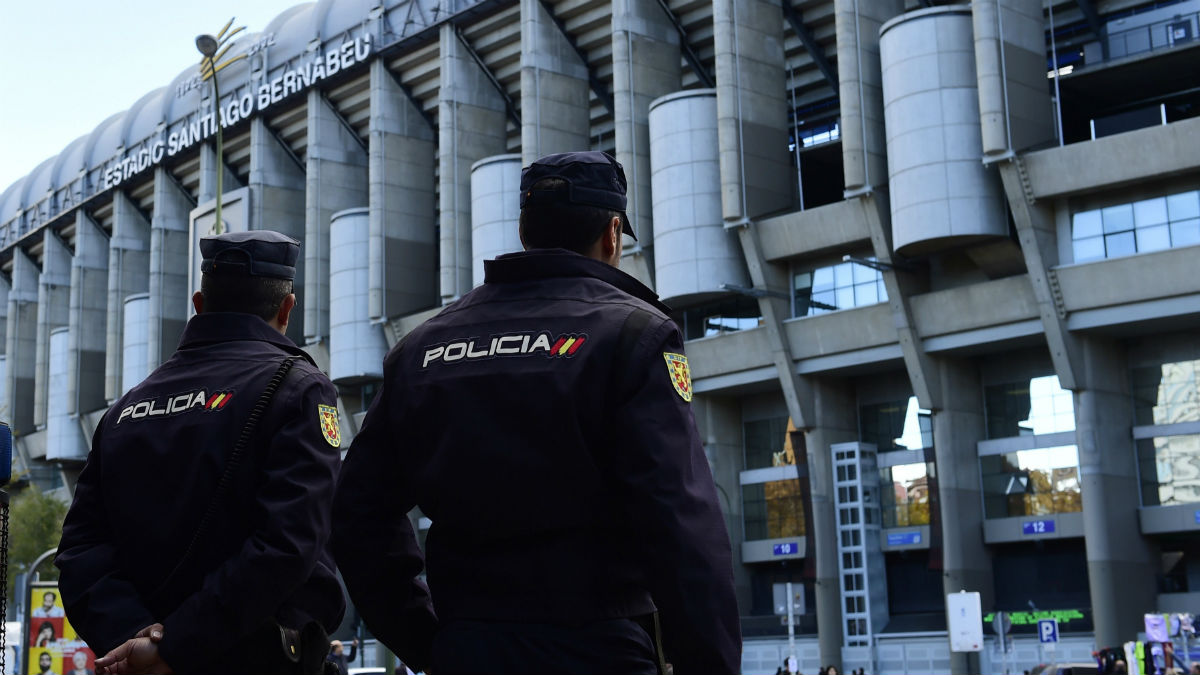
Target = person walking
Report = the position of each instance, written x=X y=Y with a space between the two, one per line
x=543 y=423
x=197 y=539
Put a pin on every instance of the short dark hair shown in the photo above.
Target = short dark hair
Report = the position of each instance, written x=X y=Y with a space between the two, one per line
x=556 y=224
x=260 y=296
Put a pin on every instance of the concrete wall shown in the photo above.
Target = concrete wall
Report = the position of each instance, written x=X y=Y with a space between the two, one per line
x=471 y=126
x=128 y=274
x=88 y=319
x=402 y=158
x=335 y=180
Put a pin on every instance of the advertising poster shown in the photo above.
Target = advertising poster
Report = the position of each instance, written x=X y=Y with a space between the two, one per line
x=52 y=644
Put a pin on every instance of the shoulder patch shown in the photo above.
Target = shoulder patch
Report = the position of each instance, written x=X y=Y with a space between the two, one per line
x=681 y=375
x=329 y=425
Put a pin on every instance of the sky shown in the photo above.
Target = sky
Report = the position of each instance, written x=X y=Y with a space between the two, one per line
x=68 y=65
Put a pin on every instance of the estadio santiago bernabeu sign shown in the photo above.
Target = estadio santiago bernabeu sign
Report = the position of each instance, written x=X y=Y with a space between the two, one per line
x=241 y=104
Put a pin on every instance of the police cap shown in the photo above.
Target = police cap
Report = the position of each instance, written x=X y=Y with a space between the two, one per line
x=257 y=253
x=593 y=179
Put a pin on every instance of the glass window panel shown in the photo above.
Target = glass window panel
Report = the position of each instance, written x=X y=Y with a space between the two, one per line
x=1154 y=238
x=905 y=495
x=1150 y=212
x=1184 y=206
x=1086 y=224
x=1167 y=394
x=773 y=510
x=768 y=443
x=802 y=280
x=1044 y=481
x=843 y=274
x=1117 y=218
x=862 y=273
x=845 y=297
x=823 y=302
x=823 y=279
x=1038 y=405
x=882 y=291
x=1185 y=232
x=1091 y=248
x=866 y=294
x=1119 y=244
x=1170 y=470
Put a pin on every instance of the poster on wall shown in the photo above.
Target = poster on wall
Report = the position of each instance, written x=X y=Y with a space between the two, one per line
x=53 y=645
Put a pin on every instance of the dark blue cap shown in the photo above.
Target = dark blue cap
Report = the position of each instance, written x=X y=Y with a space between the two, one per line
x=256 y=253
x=593 y=179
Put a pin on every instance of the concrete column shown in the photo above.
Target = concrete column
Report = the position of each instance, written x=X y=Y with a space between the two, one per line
x=646 y=65
x=957 y=429
x=1010 y=66
x=1121 y=562
x=20 y=342
x=170 y=242
x=54 y=298
x=554 y=88
x=208 y=175
x=719 y=420
x=5 y=288
x=336 y=179
x=472 y=124
x=756 y=169
x=128 y=273
x=86 y=340
x=402 y=156
x=277 y=186
x=835 y=416
x=860 y=88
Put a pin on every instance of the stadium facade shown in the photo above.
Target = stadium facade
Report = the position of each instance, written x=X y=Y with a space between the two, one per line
x=935 y=263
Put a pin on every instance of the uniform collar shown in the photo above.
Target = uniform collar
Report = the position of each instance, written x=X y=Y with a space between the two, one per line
x=214 y=327
x=544 y=263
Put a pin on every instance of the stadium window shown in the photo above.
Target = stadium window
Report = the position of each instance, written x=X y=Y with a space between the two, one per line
x=1148 y=225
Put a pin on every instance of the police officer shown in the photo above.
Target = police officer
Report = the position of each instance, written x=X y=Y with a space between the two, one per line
x=134 y=558
x=543 y=424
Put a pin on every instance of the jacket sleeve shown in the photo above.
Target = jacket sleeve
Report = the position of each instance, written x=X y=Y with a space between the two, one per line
x=664 y=481
x=294 y=492
x=373 y=540
x=103 y=607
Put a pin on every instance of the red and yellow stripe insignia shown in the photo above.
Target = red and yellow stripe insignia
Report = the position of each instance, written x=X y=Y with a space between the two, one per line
x=567 y=345
x=218 y=400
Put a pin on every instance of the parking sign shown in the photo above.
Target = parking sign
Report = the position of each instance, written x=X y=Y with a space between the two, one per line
x=1048 y=631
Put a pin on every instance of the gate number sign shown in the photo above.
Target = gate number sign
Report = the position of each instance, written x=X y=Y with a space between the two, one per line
x=1037 y=527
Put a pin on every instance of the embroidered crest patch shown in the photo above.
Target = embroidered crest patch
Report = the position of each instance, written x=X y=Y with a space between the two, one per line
x=681 y=375
x=329 y=425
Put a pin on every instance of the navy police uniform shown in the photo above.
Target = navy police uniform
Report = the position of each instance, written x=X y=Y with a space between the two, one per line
x=543 y=423
x=156 y=458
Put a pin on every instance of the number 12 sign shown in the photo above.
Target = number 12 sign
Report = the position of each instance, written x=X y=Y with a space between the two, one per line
x=1037 y=527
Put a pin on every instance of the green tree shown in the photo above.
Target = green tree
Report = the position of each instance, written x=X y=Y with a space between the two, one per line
x=35 y=523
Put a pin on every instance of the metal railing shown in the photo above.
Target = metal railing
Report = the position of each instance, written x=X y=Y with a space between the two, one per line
x=1180 y=29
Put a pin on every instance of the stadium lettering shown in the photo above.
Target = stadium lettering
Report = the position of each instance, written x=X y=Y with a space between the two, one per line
x=203 y=124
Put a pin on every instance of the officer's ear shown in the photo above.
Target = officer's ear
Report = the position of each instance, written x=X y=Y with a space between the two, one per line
x=198 y=302
x=285 y=312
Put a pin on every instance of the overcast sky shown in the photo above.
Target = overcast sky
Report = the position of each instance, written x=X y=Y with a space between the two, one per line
x=70 y=64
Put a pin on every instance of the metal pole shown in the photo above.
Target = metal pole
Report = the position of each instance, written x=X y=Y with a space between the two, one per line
x=791 y=609
x=220 y=157
x=1057 y=93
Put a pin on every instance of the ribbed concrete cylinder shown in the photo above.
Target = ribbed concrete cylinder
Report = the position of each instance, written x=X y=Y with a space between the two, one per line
x=495 y=210
x=135 y=341
x=693 y=253
x=356 y=347
x=941 y=194
x=64 y=439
